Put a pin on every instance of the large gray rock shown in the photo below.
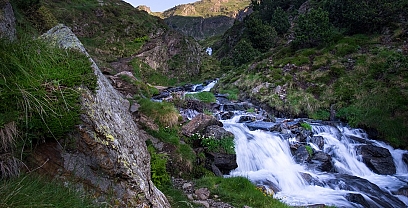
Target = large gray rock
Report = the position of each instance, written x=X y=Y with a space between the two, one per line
x=110 y=156
x=7 y=21
x=199 y=123
x=378 y=159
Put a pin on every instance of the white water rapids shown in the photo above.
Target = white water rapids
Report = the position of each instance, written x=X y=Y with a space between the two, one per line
x=264 y=156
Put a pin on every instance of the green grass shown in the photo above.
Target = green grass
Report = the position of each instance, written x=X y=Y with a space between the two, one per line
x=207 y=97
x=163 y=113
x=36 y=191
x=239 y=191
x=40 y=88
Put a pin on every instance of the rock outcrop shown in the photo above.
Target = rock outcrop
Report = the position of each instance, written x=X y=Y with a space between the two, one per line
x=378 y=159
x=109 y=156
x=7 y=21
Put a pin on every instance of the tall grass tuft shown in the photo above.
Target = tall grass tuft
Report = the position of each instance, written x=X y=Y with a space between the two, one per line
x=36 y=191
x=163 y=113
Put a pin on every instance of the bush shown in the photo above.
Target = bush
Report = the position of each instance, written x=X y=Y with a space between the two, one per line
x=158 y=162
x=243 y=53
x=280 y=21
x=313 y=29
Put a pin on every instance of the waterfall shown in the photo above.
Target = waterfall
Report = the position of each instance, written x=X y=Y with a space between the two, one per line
x=265 y=157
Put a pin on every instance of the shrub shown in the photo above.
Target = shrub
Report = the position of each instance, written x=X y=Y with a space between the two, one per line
x=158 y=161
x=313 y=29
x=224 y=145
x=306 y=126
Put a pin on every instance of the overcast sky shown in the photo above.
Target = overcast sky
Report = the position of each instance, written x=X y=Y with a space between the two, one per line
x=159 y=5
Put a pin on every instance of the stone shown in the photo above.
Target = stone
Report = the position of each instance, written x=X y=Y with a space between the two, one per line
x=203 y=203
x=378 y=159
x=318 y=141
x=199 y=123
x=224 y=162
x=107 y=141
x=217 y=132
x=202 y=193
x=405 y=158
x=262 y=125
x=246 y=119
x=321 y=161
x=7 y=21
x=301 y=155
x=358 y=199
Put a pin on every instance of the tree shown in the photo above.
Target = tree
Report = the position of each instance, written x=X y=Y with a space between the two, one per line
x=262 y=36
x=280 y=21
x=313 y=29
x=243 y=53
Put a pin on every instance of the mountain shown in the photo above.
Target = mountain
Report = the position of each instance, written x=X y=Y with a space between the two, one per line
x=206 y=18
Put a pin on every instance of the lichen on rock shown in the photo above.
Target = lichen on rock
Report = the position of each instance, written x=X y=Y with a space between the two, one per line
x=110 y=157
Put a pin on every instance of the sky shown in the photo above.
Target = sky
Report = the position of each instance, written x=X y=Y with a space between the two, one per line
x=159 y=5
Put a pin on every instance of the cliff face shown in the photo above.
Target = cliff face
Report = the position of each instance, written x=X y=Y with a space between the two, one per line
x=7 y=21
x=206 y=18
x=109 y=156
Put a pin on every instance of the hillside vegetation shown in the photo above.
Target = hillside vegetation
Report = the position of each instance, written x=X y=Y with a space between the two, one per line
x=323 y=59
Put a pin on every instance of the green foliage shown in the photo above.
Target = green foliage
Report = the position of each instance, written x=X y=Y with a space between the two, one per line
x=40 y=88
x=207 y=97
x=262 y=36
x=169 y=135
x=320 y=115
x=35 y=191
x=163 y=113
x=158 y=161
x=364 y=16
x=306 y=126
x=142 y=39
x=313 y=29
x=243 y=53
x=232 y=94
x=239 y=192
x=280 y=21
x=225 y=145
x=176 y=197
x=309 y=150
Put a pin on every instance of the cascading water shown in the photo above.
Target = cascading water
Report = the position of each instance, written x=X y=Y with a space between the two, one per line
x=265 y=158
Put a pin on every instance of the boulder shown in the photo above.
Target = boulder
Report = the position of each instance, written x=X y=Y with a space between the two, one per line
x=378 y=159
x=262 y=125
x=318 y=141
x=110 y=157
x=224 y=162
x=7 y=21
x=405 y=158
x=217 y=132
x=358 y=199
x=321 y=161
x=301 y=155
x=202 y=193
x=246 y=119
x=199 y=123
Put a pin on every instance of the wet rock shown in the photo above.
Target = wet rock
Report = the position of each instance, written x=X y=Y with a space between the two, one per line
x=246 y=119
x=199 y=123
x=318 y=141
x=262 y=125
x=321 y=161
x=217 y=132
x=402 y=191
x=378 y=197
x=378 y=159
x=301 y=155
x=405 y=158
x=198 y=88
x=358 y=199
x=224 y=162
x=227 y=115
x=310 y=180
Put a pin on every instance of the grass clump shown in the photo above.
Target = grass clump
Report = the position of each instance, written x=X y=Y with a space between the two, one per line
x=163 y=113
x=306 y=126
x=35 y=191
x=239 y=191
x=207 y=97
x=223 y=145
x=159 y=174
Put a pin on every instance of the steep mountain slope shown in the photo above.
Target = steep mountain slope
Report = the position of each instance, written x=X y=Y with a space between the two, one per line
x=311 y=58
x=206 y=18
x=112 y=30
